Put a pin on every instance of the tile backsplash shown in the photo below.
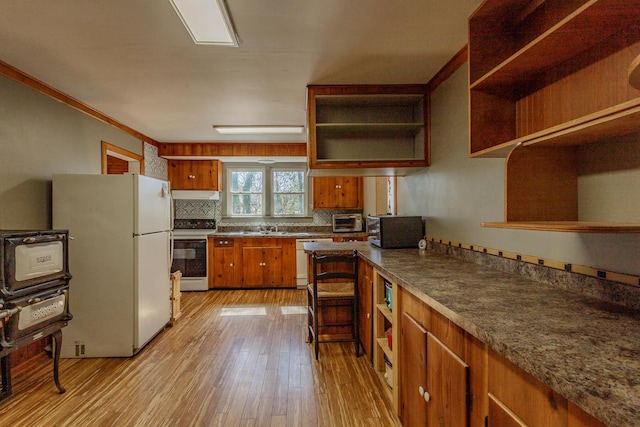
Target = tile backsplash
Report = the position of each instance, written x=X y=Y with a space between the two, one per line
x=212 y=209
x=198 y=209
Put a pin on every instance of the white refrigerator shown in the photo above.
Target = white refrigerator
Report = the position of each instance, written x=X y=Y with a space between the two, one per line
x=119 y=257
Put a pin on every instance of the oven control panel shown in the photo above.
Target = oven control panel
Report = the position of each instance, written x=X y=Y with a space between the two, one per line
x=194 y=224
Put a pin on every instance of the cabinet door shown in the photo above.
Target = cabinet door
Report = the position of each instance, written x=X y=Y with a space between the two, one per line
x=338 y=192
x=262 y=267
x=195 y=174
x=224 y=268
x=413 y=375
x=349 y=192
x=448 y=386
x=365 y=307
x=323 y=190
x=501 y=416
x=179 y=173
x=252 y=268
x=206 y=175
x=272 y=267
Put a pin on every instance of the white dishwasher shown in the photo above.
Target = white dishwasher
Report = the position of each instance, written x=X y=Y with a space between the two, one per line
x=301 y=260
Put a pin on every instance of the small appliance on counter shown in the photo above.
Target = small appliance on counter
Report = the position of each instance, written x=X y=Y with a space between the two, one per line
x=346 y=223
x=393 y=232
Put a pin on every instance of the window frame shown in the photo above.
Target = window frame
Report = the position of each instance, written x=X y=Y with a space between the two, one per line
x=268 y=192
x=229 y=182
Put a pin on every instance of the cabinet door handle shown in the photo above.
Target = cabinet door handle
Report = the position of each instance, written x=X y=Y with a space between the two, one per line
x=231 y=265
x=426 y=397
x=192 y=177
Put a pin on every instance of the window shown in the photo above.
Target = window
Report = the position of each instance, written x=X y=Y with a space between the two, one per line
x=246 y=192
x=278 y=191
x=288 y=192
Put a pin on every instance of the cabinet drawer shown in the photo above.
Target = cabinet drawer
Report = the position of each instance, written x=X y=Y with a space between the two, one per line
x=222 y=242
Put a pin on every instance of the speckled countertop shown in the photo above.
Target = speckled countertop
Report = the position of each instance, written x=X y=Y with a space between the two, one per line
x=583 y=348
x=285 y=234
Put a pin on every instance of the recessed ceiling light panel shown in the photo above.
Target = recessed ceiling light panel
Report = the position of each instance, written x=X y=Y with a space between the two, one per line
x=207 y=21
x=258 y=129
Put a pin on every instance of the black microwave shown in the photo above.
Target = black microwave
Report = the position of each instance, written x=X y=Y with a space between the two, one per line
x=391 y=231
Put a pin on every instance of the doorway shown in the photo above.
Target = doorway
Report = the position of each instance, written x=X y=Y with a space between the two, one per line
x=116 y=160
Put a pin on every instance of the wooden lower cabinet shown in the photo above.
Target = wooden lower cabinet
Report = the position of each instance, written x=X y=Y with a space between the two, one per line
x=413 y=375
x=251 y=263
x=434 y=381
x=262 y=266
x=468 y=383
x=223 y=264
x=516 y=398
x=362 y=238
x=268 y=263
x=454 y=366
x=365 y=307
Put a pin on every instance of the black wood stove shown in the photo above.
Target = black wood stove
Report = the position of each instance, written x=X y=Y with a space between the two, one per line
x=34 y=294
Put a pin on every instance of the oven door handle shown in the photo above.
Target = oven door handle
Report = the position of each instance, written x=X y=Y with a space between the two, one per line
x=6 y=313
x=42 y=239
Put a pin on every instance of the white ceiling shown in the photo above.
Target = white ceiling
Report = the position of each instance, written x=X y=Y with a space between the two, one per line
x=134 y=61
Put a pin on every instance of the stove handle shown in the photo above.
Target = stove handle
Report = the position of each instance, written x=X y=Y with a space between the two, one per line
x=7 y=313
x=42 y=239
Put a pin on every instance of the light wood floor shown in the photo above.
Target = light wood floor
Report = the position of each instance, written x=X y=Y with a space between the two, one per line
x=219 y=365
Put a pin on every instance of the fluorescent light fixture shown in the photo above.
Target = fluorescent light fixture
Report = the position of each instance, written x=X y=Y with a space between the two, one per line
x=207 y=21
x=258 y=129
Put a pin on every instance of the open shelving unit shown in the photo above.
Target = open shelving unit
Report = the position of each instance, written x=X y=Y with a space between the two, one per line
x=368 y=127
x=383 y=319
x=550 y=91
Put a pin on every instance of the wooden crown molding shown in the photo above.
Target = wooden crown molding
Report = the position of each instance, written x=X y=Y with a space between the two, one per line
x=35 y=84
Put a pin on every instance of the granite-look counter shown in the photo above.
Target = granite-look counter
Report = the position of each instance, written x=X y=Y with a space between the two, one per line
x=585 y=349
x=285 y=234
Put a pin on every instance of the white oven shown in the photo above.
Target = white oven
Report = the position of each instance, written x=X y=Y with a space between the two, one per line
x=190 y=257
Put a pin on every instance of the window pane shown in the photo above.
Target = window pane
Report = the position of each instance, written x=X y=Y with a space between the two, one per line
x=246 y=182
x=288 y=204
x=246 y=204
x=288 y=181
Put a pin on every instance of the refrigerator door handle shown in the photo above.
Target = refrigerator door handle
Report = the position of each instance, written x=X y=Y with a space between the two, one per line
x=170 y=263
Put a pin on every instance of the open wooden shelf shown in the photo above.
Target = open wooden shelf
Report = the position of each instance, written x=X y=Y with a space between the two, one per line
x=376 y=129
x=567 y=38
x=550 y=91
x=385 y=311
x=609 y=123
x=568 y=226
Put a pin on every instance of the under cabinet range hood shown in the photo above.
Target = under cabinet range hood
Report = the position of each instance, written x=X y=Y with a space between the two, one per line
x=195 y=195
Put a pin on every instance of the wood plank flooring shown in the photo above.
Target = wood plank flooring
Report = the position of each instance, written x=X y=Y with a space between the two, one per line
x=223 y=364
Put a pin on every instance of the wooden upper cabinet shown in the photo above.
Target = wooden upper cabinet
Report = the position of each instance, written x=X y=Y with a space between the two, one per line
x=549 y=90
x=337 y=192
x=376 y=129
x=195 y=174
